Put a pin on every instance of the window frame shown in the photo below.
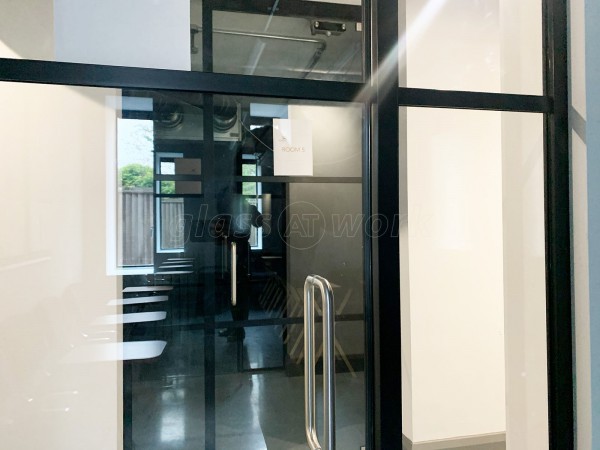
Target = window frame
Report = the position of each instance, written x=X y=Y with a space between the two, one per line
x=258 y=184
x=158 y=196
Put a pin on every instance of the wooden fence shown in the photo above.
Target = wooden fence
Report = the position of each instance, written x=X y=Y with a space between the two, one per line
x=137 y=228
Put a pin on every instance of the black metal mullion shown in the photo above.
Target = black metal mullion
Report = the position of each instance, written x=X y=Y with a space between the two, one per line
x=210 y=294
x=367 y=207
x=207 y=37
x=558 y=231
x=386 y=264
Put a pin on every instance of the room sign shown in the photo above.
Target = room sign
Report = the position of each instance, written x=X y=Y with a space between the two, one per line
x=292 y=147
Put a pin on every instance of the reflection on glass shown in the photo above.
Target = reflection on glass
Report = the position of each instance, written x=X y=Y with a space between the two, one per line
x=296 y=47
x=307 y=227
x=117 y=349
x=474 y=340
x=252 y=193
x=154 y=35
x=60 y=372
x=171 y=223
x=167 y=187
x=489 y=45
x=304 y=39
x=135 y=147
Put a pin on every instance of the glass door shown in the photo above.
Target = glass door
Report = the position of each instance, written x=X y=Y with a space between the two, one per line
x=251 y=197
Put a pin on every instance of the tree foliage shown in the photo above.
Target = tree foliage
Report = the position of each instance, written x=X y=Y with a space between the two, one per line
x=136 y=176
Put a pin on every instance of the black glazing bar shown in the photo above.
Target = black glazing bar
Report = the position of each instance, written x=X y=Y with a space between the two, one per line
x=210 y=421
x=473 y=100
x=369 y=354
x=162 y=177
x=368 y=282
x=366 y=40
x=73 y=74
x=128 y=405
x=274 y=321
x=558 y=231
x=210 y=290
x=207 y=38
x=386 y=297
x=291 y=8
x=178 y=196
x=284 y=321
x=281 y=179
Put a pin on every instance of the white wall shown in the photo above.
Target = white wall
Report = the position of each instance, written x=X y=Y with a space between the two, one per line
x=581 y=294
x=472 y=247
x=453 y=348
x=455 y=263
x=524 y=281
x=17 y=24
x=53 y=142
x=472 y=45
x=477 y=276
x=523 y=217
x=135 y=33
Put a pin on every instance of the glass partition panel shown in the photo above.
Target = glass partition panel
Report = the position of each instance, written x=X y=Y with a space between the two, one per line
x=134 y=33
x=297 y=178
x=320 y=46
x=472 y=45
x=295 y=39
x=150 y=273
x=473 y=272
x=62 y=331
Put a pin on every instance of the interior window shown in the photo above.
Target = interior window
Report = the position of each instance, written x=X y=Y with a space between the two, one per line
x=135 y=217
x=252 y=192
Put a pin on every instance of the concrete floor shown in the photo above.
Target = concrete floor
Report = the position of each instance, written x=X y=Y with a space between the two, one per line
x=252 y=410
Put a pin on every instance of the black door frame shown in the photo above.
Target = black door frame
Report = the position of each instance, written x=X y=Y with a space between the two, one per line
x=382 y=98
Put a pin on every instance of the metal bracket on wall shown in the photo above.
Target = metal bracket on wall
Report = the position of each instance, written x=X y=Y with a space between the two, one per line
x=327 y=28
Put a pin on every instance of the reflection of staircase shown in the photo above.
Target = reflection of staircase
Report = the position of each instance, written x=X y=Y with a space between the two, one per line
x=280 y=301
x=273 y=297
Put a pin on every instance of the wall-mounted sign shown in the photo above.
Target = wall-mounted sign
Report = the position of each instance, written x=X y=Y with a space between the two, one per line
x=292 y=147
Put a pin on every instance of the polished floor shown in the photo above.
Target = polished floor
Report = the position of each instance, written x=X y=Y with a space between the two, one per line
x=208 y=391
x=257 y=403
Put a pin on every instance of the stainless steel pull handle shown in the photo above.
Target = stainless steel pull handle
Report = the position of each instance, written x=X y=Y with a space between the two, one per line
x=233 y=273
x=310 y=406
